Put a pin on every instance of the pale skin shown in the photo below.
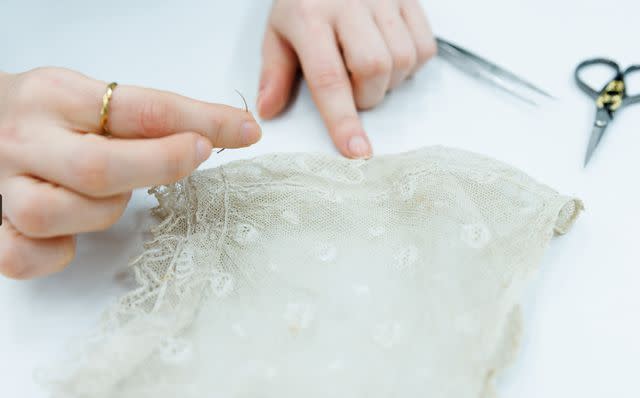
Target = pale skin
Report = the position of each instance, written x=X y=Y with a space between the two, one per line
x=68 y=181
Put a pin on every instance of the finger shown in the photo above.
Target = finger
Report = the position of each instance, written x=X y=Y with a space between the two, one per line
x=137 y=112
x=95 y=166
x=370 y=65
x=331 y=89
x=24 y=258
x=399 y=42
x=279 y=69
x=423 y=38
x=38 y=209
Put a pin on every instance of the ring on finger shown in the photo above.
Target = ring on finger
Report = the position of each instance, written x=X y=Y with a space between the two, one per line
x=106 y=106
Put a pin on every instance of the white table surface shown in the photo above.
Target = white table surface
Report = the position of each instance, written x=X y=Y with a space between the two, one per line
x=581 y=313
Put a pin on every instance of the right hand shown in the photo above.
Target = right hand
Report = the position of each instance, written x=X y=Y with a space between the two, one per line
x=57 y=181
x=351 y=54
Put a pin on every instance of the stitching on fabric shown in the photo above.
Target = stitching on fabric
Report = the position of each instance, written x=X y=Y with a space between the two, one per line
x=225 y=226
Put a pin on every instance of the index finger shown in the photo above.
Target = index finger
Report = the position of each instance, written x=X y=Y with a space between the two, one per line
x=137 y=112
x=331 y=89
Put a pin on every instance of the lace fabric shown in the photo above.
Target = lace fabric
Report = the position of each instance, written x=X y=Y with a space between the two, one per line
x=309 y=275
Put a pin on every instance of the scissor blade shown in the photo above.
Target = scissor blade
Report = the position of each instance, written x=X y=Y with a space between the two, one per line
x=596 y=136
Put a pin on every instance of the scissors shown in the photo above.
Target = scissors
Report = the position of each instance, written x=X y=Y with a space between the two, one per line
x=612 y=97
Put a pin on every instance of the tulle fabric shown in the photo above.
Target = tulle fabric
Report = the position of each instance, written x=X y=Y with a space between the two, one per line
x=302 y=275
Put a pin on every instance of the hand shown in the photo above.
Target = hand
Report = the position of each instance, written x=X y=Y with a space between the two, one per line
x=57 y=181
x=351 y=53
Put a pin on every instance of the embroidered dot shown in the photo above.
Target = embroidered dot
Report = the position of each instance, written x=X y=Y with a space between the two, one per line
x=222 y=284
x=422 y=371
x=326 y=253
x=270 y=373
x=387 y=334
x=273 y=267
x=239 y=330
x=380 y=197
x=439 y=203
x=439 y=278
x=246 y=233
x=301 y=163
x=522 y=200
x=361 y=290
x=175 y=351
x=349 y=173
x=253 y=171
x=475 y=235
x=253 y=366
x=332 y=196
x=464 y=324
x=377 y=231
x=480 y=176
x=299 y=316
x=184 y=264
x=246 y=170
x=336 y=365
x=291 y=217
x=406 y=189
x=260 y=369
x=404 y=258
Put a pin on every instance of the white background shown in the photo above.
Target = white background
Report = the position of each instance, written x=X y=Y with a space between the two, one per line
x=582 y=317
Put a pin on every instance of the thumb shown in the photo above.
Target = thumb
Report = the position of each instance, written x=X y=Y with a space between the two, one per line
x=279 y=69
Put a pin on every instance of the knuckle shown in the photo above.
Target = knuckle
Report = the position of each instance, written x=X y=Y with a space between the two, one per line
x=65 y=253
x=29 y=214
x=124 y=199
x=217 y=124
x=364 y=102
x=10 y=141
x=155 y=118
x=373 y=67
x=25 y=91
x=345 y=126
x=8 y=133
x=330 y=78
x=68 y=253
x=91 y=168
x=10 y=264
x=116 y=210
x=306 y=10
x=36 y=84
x=175 y=165
x=426 y=51
x=10 y=268
x=404 y=60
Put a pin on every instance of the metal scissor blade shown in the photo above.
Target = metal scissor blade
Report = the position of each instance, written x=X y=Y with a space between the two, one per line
x=596 y=135
x=493 y=73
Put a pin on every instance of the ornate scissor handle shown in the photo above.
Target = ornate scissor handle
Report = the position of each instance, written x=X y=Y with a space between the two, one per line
x=631 y=99
x=595 y=93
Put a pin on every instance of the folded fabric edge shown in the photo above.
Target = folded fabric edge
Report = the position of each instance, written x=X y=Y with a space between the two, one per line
x=568 y=211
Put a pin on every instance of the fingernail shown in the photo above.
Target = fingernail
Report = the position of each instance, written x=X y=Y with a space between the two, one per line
x=359 y=148
x=203 y=149
x=250 y=133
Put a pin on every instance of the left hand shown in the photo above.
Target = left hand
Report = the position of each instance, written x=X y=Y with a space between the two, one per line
x=351 y=53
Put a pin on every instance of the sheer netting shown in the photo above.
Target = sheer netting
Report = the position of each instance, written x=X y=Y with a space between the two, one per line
x=301 y=275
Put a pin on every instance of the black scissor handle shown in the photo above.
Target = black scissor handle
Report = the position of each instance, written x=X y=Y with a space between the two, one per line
x=590 y=91
x=635 y=98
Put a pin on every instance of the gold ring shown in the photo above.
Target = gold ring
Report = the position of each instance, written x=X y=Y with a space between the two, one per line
x=106 y=104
